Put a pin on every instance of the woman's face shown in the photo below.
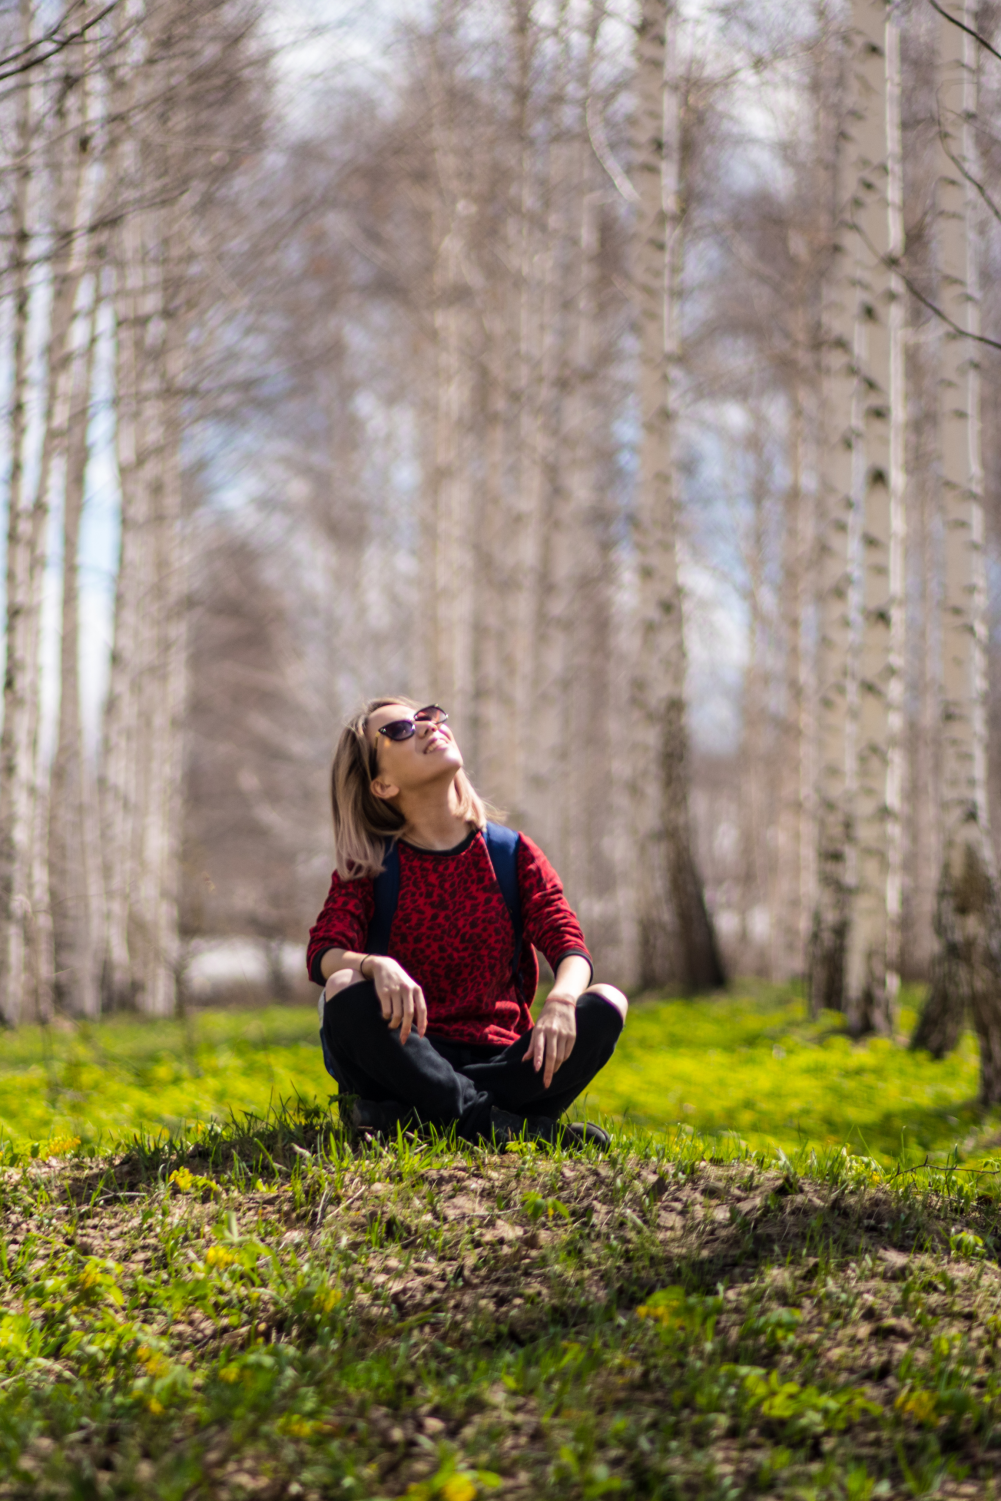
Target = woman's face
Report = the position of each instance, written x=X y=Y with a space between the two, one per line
x=406 y=765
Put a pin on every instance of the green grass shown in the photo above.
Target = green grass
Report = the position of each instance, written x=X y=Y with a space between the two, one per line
x=748 y=1064
x=268 y=1310
x=252 y=1307
x=753 y=1065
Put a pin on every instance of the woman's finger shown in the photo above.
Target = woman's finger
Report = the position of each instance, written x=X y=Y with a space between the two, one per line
x=552 y=1054
x=538 y=1047
x=420 y=1011
x=407 y=1004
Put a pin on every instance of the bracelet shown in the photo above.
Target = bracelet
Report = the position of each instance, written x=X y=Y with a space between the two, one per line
x=361 y=967
x=559 y=1000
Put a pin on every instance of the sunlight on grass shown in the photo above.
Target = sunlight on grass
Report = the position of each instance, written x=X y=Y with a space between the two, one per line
x=753 y=1065
x=103 y=1081
x=749 y=1064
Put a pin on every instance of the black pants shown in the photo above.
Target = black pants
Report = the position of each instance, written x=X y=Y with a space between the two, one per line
x=454 y=1083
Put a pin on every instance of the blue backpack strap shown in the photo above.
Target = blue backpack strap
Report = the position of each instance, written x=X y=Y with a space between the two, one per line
x=502 y=847
x=386 y=889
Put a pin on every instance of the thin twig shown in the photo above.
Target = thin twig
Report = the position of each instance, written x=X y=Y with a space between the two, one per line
x=968 y=29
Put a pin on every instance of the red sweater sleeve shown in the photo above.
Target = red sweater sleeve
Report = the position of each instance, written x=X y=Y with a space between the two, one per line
x=343 y=923
x=549 y=921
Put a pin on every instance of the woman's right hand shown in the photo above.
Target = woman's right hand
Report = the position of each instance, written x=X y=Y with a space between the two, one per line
x=401 y=998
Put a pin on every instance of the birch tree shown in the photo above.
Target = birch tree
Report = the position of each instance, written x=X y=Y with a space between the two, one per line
x=872 y=960
x=671 y=906
x=73 y=848
x=53 y=150
x=966 y=975
x=15 y=746
x=834 y=772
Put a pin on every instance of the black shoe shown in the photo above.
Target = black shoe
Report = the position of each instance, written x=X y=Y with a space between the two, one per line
x=572 y=1137
x=379 y=1117
x=505 y=1126
x=586 y=1134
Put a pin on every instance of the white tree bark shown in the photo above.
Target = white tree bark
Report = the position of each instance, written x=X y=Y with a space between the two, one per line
x=871 y=972
x=967 y=969
x=791 y=898
x=450 y=574
x=16 y=771
x=676 y=937
x=71 y=132
x=839 y=442
x=119 y=756
x=72 y=829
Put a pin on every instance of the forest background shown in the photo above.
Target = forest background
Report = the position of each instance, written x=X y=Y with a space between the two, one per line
x=584 y=367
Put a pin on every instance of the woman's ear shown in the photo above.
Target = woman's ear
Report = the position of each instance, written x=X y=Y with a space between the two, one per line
x=384 y=789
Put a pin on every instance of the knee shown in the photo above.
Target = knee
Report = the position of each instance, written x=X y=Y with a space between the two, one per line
x=353 y=1000
x=614 y=998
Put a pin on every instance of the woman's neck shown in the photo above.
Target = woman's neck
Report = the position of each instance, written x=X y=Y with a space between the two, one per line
x=432 y=819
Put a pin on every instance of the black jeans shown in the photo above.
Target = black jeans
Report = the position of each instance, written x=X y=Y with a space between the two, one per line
x=454 y=1083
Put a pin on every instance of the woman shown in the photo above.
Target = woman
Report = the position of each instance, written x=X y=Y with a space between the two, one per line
x=428 y=987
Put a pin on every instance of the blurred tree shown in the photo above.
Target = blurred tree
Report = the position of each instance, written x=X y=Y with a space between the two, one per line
x=966 y=975
x=872 y=957
x=676 y=937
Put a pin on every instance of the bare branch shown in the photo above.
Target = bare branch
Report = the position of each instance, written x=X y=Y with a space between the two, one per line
x=968 y=29
x=12 y=65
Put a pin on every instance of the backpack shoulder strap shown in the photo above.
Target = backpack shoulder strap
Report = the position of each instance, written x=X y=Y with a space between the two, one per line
x=386 y=889
x=502 y=847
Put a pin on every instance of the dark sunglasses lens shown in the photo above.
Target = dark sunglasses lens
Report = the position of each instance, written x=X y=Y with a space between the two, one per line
x=400 y=729
x=432 y=714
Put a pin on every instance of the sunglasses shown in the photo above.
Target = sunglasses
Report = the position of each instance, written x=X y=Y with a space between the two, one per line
x=405 y=729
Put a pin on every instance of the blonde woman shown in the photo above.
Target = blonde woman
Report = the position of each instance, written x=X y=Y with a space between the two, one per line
x=425 y=947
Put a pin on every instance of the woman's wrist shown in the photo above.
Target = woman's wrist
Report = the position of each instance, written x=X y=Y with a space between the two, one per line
x=560 y=1000
x=361 y=967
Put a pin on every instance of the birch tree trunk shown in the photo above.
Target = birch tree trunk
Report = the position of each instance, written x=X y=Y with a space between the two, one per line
x=15 y=741
x=871 y=971
x=676 y=937
x=118 y=788
x=754 y=771
x=450 y=644
x=790 y=901
x=528 y=333
x=72 y=831
x=925 y=855
x=70 y=151
x=154 y=939
x=967 y=967
x=558 y=544
x=835 y=871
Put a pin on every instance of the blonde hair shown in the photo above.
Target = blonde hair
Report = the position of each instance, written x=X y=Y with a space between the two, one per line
x=363 y=823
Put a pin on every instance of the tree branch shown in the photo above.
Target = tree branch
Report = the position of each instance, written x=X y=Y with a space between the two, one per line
x=968 y=29
x=53 y=40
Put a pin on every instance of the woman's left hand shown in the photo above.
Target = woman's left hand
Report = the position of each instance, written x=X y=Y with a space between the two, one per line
x=553 y=1035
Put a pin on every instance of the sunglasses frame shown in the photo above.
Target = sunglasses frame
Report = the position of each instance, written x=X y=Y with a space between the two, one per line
x=413 y=722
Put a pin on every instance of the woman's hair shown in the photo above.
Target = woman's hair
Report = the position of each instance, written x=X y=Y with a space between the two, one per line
x=363 y=823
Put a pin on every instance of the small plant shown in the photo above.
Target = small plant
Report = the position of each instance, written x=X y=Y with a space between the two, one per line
x=184 y=1181
x=777 y=1327
x=965 y=1244
x=453 y=1482
x=805 y=1410
x=538 y=1207
x=674 y=1310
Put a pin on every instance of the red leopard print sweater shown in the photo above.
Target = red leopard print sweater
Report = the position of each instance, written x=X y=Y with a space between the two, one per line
x=453 y=934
